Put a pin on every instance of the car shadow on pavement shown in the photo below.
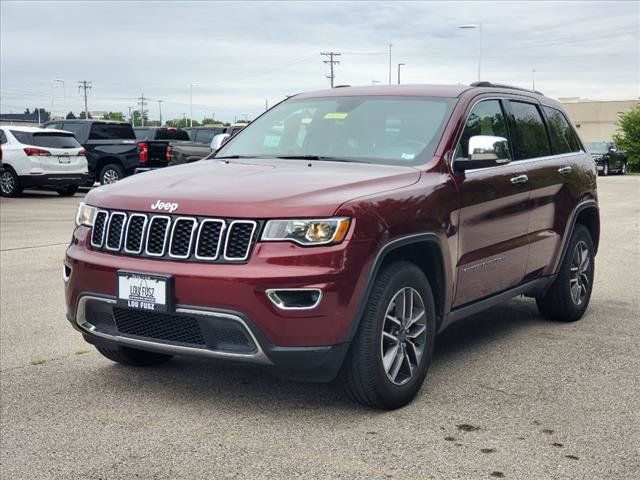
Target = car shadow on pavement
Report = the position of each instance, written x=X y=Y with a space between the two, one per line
x=208 y=384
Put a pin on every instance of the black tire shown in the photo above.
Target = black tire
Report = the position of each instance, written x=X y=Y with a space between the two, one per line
x=605 y=169
x=69 y=191
x=110 y=173
x=557 y=303
x=363 y=373
x=131 y=356
x=9 y=182
x=623 y=168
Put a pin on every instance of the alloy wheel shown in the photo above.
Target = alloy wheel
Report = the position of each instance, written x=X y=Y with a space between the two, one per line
x=579 y=273
x=110 y=176
x=7 y=182
x=404 y=332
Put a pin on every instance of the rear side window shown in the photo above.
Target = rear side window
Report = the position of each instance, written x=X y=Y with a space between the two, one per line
x=111 y=131
x=563 y=138
x=171 y=134
x=22 y=137
x=486 y=118
x=531 y=139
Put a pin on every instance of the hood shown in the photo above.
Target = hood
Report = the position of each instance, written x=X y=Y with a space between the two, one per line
x=261 y=188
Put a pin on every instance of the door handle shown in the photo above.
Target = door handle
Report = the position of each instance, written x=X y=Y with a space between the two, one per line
x=519 y=179
x=565 y=170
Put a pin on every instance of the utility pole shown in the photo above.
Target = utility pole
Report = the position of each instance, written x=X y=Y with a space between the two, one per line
x=400 y=65
x=143 y=104
x=85 y=85
x=533 y=79
x=133 y=123
x=266 y=104
x=331 y=63
x=390 y=45
x=160 y=110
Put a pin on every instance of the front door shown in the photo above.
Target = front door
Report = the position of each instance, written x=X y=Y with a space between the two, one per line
x=494 y=215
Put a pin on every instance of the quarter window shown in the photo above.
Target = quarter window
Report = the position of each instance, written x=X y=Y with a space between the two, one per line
x=531 y=139
x=486 y=118
x=563 y=138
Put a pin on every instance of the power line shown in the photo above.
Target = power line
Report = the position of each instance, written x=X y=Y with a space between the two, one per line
x=331 y=63
x=84 y=86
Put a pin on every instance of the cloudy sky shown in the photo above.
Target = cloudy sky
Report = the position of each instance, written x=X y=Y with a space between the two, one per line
x=242 y=54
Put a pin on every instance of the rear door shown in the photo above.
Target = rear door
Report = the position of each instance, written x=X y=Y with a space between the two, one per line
x=551 y=150
x=494 y=214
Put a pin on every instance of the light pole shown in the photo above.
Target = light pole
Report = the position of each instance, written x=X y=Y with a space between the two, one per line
x=471 y=26
x=133 y=122
x=191 y=85
x=160 y=110
x=533 y=79
x=53 y=85
x=390 y=45
x=399 y=65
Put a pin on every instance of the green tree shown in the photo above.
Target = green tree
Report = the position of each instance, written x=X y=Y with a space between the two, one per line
x=137 y=120
x=71 y=116
x=181 y=123
x=211 y=121
x=629 y=137
x=83 y=116
x=114 y=116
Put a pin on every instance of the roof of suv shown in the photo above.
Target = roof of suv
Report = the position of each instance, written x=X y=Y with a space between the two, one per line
x=446 y=91
x=33 y=129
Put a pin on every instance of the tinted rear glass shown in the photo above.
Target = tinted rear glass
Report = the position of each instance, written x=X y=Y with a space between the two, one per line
x=141 y=133
x=530 y=134
x=47 y=139
x=563 y=138
x=111 y=131
x=171 y=134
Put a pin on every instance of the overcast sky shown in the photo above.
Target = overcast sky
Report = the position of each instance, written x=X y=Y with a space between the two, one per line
x=241 y=54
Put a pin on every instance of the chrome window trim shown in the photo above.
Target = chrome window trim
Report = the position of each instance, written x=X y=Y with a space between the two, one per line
x=256 y=357
x=254 y=224
x=221 y=239
x=124 y=224
x=166 y=234
x=104 y=230
x=272 y=295
x=173 y=229
x=529 y=160
x=144 y=231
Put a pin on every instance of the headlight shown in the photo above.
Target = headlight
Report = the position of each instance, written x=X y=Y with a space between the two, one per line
x=86 y=215
x=307 y=232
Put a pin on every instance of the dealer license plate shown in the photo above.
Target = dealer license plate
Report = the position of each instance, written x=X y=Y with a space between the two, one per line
x=144 y=291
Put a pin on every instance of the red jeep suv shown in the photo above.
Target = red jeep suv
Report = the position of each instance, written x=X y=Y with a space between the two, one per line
x=338 y=233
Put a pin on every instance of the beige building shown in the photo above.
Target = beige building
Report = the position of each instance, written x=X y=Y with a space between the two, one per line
x=596 y=120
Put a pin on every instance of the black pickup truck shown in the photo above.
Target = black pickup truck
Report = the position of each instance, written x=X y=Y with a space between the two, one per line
x=154 y=144
x=111 y=148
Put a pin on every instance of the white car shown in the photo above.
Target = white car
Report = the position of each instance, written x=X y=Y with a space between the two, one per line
x=41 y=158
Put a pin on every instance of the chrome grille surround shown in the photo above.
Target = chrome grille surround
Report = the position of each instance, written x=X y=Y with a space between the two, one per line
x=174 y=237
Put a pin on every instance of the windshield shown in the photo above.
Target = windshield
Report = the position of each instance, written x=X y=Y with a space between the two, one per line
x=379 y=129
x=598 y=147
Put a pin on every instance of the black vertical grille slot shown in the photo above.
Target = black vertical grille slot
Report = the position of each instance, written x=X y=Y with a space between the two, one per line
x=239 y=240
x=157 y=235
x=99 y=226
x=208 y=245
x=114 y=231
x=135 y=233
x=181 y=237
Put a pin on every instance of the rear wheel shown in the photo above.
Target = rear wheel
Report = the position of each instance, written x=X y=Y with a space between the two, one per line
x=568 y=297
x=111 y=173
x=623 y=168
x=69 y=191
x=605 y=169
x=391 y=352
x=9 y=182
x=131 y=356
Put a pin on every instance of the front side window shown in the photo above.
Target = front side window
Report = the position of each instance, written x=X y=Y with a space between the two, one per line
x=563 y=138
x=486 y=118
x=376 y=129
x=531 y=139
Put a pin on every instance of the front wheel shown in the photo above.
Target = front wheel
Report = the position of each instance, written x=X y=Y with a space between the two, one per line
x=132 y=357
x=111 y=173
x=69 y=191
x=391 y=352
x=605 y=169
x=567 y=298
x=623 y=168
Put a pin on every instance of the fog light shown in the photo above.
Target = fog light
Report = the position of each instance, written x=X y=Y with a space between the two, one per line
x=295 y=298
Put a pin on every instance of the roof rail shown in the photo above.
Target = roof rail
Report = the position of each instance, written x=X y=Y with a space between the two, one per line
x=500 y=85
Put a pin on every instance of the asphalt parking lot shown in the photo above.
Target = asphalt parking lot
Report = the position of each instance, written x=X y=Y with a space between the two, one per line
x=509 y=395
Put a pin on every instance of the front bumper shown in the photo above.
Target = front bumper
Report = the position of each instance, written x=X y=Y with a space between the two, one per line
x=54 y=180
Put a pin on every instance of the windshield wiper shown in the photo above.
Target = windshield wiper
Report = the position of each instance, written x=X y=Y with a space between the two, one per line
x=320 y=158
x=235 y=156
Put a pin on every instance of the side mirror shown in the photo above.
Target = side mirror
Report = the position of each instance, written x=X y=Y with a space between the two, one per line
x=484 y=151
x=219 y=140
